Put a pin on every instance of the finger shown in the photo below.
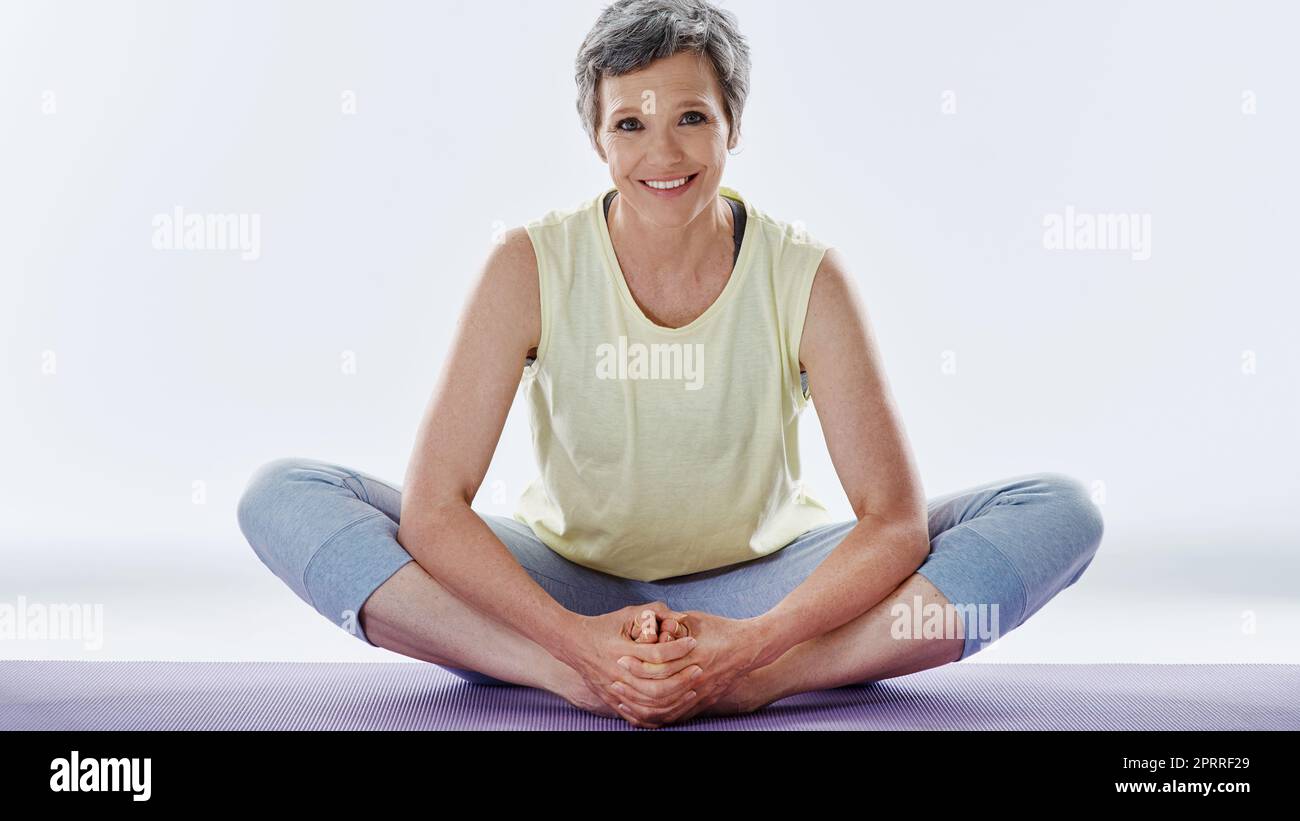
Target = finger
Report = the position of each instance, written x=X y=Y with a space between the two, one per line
x=657 y=715
x=683 y=712
x=655 y=692
x=657 y=680
x=685 y=706
x=610 y=710
x=661 y=653
x=611 y=699
x=615 y=703
x=634 y=714
x=635 y=671
x=706 y=697
x=659 y=693
x=690 y=712
x=635 y=721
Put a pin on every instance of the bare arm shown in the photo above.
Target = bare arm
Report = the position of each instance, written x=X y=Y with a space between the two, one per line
x=459 y=433
x=868 y=446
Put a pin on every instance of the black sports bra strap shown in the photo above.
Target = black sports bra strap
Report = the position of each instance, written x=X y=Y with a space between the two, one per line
x=738 y=217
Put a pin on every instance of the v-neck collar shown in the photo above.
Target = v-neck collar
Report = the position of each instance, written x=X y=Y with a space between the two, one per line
x=728 y=291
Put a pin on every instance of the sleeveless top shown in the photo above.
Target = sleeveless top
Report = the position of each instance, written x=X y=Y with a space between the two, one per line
x=738 y=230
x=667 y=451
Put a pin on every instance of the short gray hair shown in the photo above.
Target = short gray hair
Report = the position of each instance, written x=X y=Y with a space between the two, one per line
x=630 y=34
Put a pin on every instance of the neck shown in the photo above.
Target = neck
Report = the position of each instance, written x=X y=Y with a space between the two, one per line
x=656 y=250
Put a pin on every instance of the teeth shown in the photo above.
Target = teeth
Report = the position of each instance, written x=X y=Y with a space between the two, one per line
x=664 y=186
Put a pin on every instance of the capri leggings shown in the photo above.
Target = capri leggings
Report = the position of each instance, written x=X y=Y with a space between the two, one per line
x=998 y=552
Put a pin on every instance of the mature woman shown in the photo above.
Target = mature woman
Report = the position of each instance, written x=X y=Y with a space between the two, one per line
x=668 y=561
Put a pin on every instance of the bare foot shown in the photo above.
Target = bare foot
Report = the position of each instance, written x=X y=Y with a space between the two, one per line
x=574 y=689
x=650 y=629
x=750 y=693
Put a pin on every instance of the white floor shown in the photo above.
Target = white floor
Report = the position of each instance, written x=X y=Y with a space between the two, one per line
x=1193 y=601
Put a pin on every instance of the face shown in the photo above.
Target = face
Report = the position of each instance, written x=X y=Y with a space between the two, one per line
x=664 y=123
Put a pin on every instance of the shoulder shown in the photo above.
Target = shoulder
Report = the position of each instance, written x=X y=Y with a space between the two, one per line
x=794 y=253
x=512 y=276
x=832 y=280
x=561 y=235
x=564 y=221
x=519 y=252
x=506 y=294
x=512 y=260
x=810 y=278
x=799 y=261
x=516 y=251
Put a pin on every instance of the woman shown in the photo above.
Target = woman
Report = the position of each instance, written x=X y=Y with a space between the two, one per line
x=668 y=561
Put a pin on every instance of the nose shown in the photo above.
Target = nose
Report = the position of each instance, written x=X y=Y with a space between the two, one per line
x=665 y=150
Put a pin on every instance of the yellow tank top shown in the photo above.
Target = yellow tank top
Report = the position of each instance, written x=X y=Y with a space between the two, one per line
x=667 y=451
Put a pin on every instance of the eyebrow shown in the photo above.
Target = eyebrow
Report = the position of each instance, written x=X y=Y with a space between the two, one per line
x=693 y=102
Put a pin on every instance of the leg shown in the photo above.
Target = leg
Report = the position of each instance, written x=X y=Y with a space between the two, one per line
x=999 y=551
x=330 y=533
x=860 y=651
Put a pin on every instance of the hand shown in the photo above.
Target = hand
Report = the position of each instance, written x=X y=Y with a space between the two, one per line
x=594 y=647
x=727 y=650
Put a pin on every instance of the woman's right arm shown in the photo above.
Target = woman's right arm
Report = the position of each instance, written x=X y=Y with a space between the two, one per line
x=457 y=436
x=453 y=449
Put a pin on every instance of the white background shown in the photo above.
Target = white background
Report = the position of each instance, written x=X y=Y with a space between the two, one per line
x=182 y=367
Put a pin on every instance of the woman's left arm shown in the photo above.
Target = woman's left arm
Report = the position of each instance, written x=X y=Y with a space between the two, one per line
x=868 y=447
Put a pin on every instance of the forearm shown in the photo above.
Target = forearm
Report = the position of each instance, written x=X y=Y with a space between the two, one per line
x=456 y=547
x=872 y=560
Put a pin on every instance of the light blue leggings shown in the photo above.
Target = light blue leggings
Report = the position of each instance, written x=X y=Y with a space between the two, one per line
x=998 y=552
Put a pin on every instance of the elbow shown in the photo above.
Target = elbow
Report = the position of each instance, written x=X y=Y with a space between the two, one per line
x=906 y=535
x=420 y=526
x=420 y=509
x=919 y=543
x=911 y=538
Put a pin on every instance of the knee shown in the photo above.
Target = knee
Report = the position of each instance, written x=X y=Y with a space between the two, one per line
x=262 y=495
x=1073 y=502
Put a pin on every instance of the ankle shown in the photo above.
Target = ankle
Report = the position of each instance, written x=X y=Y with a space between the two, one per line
x=566 y=683
x=765 y=686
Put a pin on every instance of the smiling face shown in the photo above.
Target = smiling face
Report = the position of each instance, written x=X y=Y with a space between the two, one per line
x=664 y=124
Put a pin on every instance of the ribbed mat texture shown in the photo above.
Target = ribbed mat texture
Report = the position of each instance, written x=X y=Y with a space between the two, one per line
x=162 y=695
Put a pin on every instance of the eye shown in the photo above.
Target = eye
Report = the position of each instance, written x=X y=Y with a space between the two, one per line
x=619 y=125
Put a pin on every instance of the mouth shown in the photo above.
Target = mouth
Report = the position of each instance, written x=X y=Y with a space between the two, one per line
x=670 y=187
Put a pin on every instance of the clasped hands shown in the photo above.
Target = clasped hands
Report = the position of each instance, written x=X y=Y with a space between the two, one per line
x=653 y=665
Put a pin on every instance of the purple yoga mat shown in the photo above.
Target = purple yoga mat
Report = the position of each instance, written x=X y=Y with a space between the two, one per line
x=162 y=695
